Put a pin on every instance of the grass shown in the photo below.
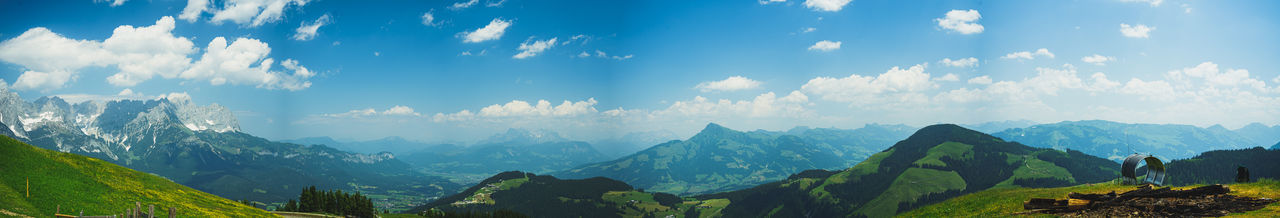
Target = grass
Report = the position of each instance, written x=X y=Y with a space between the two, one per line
x=77 y=183
x=1004 y=202
x=954 y=150
x=910 y=186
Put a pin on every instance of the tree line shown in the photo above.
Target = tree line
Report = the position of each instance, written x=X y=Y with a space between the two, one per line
x=331 y=202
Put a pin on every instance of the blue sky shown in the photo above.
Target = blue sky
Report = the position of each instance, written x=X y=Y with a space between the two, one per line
x=604 y=68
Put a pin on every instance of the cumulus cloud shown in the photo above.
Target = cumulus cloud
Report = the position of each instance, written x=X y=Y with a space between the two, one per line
x=397 y=110
x=733 y=83
x=139 y=53
x=1027 y=55
x=493 y=31
x=245 y=61
x=1097 y=59
x=528 y=49
x=825 y=45
x=981 y=80
x=949 y=78
x=893 y=86
x=429 y=19
x=249 y=13
x=961 y=21
x=1208 y=74
x=963 y=62
x=763 y=105
x=308 y=31
x=826 y=5
x=1137 y=31
x=193 y=10
x=523 y=110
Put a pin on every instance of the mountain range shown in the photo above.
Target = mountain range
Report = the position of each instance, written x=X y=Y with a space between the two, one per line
x=935 y=163
x=1114 y=141
x=721 y=159
x=537 y=151
x=203 y=148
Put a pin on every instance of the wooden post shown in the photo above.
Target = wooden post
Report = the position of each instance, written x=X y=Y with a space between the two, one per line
x=128 y=212
x=151 y=211
x=137 y=209
x=28 y=187
x=173 y=212
x=58 y=209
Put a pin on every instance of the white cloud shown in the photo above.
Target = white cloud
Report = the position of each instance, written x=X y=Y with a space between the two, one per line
x=113 y=2
x=401 y=110
x=394 y=111
x=126 y=92
x=1186 y=8
x=825 y=46
x=429 y=19
x=492 y=3
x=1153 y=3
x=1101 y=83
x=808 y=30
x=981 y=80
x=963 y=62
x=464 y=4
x=949 y=78
x=826 y=5
x=139 y=53
x=494 y=30
x=523 y=110
x=894 y=86
x=307 y=31
x=1154 y=90
x=1210 y=75
x=250 y=13
x=532 y=49
x=245 y=61
x=1097 y=59
x=1026 y=55
x=194 y=8
x=602 y=54
x=961 y=21
x=1138 y=31
x=733 y=83
x=763 y=105
x=765 y=2
x=144 y=52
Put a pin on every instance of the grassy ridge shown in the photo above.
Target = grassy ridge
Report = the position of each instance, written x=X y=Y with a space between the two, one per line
x=1003 y=202
x=80 y=183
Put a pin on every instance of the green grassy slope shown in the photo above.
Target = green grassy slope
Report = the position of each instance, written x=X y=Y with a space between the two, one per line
x=97 y=187
x=937 y=163
x=1003 y=202
x=546 y=196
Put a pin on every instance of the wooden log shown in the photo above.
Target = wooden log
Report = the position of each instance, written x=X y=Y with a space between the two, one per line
x=173 y=212
x=1077 y=204
x=151 y=211
x=1039 y=203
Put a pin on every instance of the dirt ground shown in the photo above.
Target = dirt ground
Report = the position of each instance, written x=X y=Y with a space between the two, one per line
x=1148 y=201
